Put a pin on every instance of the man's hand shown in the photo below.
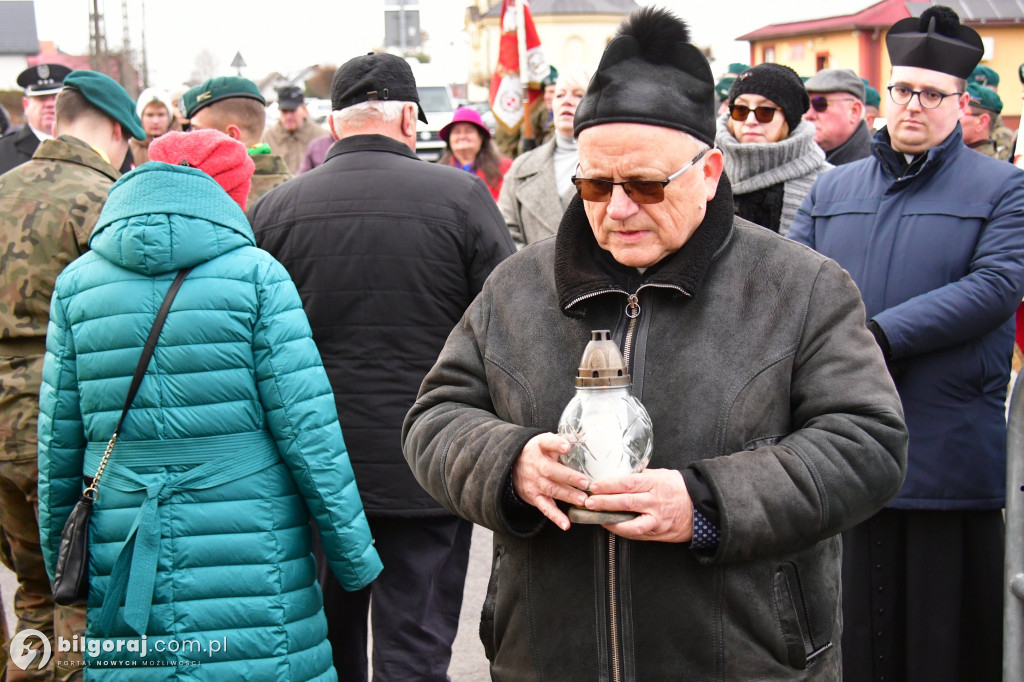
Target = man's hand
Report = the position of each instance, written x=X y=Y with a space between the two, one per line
x=540 y=479
x=658 y=495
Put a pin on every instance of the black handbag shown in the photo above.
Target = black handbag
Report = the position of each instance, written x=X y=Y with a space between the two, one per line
x=71 y=576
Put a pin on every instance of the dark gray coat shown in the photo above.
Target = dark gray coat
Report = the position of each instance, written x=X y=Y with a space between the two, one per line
x=387 y=251
x=751 y=355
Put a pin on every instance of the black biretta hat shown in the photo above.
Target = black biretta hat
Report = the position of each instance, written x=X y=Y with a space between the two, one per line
x=937 y=41
x=651 y=73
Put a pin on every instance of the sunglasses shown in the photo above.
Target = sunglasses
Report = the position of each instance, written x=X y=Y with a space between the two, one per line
x=820 y=104
x=640 y=191
x=738 y=112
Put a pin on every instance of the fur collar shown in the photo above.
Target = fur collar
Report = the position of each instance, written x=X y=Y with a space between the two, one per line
x=583 y=268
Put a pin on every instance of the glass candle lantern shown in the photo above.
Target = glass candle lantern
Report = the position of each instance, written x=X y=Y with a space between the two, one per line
x=609 y=429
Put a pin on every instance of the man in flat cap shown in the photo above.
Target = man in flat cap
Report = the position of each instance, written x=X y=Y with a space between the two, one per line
x=933 y=234
x=387 y=251
x=41 y=84
x=837 y=112
x=236 y=107
x=48 y=208
x=775 y=423
x=291 y=135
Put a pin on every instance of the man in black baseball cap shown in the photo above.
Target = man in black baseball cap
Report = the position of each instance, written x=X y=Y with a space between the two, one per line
x=291 y=135
x=380 y=241
x=41 y=84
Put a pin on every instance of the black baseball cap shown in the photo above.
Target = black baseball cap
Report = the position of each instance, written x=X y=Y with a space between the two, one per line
x=373 y=77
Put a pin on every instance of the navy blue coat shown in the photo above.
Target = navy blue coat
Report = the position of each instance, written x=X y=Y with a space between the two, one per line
x=938 y=254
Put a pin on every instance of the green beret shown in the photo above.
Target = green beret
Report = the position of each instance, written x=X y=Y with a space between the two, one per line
x=983 y=98
x=736 y=68
x=982 y=75
x=104 y=93
x=216 y=89
x=722 y=87
x=872 y=97
x=551 y=78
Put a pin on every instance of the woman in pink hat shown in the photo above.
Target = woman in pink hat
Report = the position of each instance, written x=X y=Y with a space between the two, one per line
x=469 y=147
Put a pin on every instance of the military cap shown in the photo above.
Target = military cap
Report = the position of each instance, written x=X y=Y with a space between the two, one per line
x=216 y=89
x=651 y=73
x=107 y=95
x=983 y=75
x=43 y=79
x=872 y=97
x=736 y=68
x=290 y=97
x=373 y=77
x=722 y=87
x=836 y=80
x=551 y=78
x=984 y=98
x=936 y=41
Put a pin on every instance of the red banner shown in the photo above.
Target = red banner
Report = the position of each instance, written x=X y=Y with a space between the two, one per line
x=507 y=83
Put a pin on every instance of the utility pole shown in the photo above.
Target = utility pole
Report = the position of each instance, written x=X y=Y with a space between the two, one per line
x=145 y=62
x=97 y=39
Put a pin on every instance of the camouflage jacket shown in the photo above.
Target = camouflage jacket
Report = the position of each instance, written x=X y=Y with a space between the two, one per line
x=48 y=208
x=270 y=172
x=1002 y=138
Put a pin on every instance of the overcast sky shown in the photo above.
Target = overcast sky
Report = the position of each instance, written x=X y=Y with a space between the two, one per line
x=297 y=33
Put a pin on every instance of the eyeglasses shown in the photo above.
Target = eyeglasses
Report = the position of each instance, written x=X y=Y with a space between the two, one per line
x=929 y=98
x=820 y=104
x=640 y=191
x=738 y=112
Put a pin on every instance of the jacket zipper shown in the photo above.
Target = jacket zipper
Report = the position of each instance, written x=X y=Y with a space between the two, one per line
x=613 y=608
x=632 y=312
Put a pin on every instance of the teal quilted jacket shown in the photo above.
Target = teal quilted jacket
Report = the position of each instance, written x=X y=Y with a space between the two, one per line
x=201 y=530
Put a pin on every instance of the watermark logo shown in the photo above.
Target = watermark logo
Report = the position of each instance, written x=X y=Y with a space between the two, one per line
x=23 y=656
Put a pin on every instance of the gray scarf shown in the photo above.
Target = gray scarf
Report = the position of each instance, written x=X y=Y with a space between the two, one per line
x=796 y=161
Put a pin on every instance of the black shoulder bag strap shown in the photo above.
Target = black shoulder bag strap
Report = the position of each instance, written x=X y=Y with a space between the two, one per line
x=71 y=574
x=140 y=372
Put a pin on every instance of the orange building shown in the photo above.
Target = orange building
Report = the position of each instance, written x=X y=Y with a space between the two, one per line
x=857 y=41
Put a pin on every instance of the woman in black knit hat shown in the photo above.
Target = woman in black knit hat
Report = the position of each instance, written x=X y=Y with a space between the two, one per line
x=770 y=154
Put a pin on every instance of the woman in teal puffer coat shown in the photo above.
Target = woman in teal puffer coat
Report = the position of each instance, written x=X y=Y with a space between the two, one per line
x=200 y=554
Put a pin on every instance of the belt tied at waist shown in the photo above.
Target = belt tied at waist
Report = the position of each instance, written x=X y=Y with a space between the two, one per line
x=220 y=459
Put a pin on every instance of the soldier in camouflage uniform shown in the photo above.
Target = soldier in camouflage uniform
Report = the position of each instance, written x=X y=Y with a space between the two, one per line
x=979 y=123
x=236 y=107
x=1000 y=136
x=48 y=208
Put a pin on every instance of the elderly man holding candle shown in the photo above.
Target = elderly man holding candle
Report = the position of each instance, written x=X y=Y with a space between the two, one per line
x=775 y=423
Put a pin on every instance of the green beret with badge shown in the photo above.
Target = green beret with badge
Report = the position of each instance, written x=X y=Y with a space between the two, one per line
x=107 y=95
x=217 y=89
x=983 y=75
x=983 y=98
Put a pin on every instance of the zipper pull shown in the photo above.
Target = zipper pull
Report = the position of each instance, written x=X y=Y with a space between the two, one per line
x=633 y=307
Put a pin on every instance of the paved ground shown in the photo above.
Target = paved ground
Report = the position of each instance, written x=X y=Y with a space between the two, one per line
x=468 y=661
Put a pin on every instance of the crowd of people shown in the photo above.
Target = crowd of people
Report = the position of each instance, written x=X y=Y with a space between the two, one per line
x=345 y=357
